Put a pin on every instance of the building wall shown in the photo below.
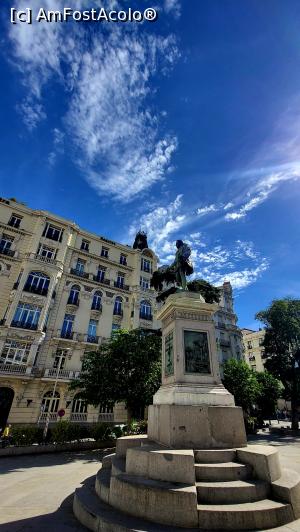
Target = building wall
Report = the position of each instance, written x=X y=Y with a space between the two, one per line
x=31 y=380
x=228 y=334
x=253 y=348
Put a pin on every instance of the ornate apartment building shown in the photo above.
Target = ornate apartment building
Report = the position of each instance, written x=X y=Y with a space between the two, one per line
x=63 y=291
x=253 y=348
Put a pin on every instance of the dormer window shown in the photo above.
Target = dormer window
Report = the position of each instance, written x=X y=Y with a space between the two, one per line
x=15 y=221
x=52 y=232
x=85 y=245
x=104 y=252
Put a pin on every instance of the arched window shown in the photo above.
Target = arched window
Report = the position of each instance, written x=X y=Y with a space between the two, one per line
x=96 y=304
x=50 y=403
x=74 y=295
x=79 y=406
x=37 y=283
x=145 y=310
x=118 y=310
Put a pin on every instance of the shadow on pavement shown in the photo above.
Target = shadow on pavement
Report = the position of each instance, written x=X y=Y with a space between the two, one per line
x=8 y=464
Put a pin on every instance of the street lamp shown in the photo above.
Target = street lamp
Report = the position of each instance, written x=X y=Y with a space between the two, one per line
x=60 y=357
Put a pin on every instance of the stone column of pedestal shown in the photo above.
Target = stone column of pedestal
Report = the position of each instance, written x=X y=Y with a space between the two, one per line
x=192 y=409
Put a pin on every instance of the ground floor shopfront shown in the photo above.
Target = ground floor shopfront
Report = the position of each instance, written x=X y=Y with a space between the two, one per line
x=27 y=399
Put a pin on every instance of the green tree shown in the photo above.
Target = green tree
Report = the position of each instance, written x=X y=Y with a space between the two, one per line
x=125 y=368
x=241 y=381
x=270 y=391
x=282 y=347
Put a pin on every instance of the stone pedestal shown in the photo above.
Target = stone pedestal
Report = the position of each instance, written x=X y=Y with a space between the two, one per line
x=192 y=409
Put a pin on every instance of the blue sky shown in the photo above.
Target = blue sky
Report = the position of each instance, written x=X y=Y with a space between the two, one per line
x=188 y=127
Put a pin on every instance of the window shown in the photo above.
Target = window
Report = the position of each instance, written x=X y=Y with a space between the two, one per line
x=100 y=274
x=104 y=252
x=79 y=406
x=5 y=244
x=26 y=316
x=15 y=220
x=92 y=331
x=146 y=265
x=50 y=402
x=15 y=352
x=123 y=259
x=52 y=232
x=115 y=327
x=118 y=311
x=249 y=344
x=105 y=409
x=37 y=283
x=144 y=283
x=253 y=367
x=48 y=253
x=67 y=328
x=80 y=264
x=145 y=310
x=74 y=295
x=120 y=280
x=96 y=304
x=60 y=358
x=85 y=245
x=261 y=341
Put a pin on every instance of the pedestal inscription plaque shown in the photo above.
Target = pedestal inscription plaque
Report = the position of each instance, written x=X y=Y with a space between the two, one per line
x=196 y=352
x=169 y=355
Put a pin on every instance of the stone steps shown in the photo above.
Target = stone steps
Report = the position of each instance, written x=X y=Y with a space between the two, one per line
x=258 y=515
x=214 y=456
x=221 y=472
x=239 y=491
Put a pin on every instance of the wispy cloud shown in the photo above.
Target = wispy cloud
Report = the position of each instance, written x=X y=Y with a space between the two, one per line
x=267 y=181
x=108 y=76
x=202 y=211
x=238 y=262
x=58 y=146
x=173 y=6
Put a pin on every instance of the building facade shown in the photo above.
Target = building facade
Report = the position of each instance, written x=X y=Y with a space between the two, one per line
x=63 y=291
x=253 y=348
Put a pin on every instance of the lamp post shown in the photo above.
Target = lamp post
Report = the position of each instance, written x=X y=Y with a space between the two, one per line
x=61 y=356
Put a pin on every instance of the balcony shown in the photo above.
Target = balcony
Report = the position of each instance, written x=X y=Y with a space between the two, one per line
x=144 y=316
x=7 y=252
x=73 y=301
x=122 y=286
x=78 y=417
x=91 y=339
x=106 y=416
x=13 y=369
x=97 y=307
x=118 y=312
x=67 y=335
x=62 y=374
x=35 y=290
x=24 y=325
x=79 y=273
x=42 y=258
x=225 y=343
x=52 y=416
x=98 y=279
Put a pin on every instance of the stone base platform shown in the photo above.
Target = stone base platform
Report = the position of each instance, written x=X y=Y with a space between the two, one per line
x=148 y=487
x=197 y=427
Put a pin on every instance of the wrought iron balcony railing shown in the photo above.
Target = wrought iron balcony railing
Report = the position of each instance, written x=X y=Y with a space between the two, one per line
x=24 y=325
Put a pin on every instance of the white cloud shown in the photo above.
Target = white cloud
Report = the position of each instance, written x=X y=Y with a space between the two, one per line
x=266 y=184
x=173 y=6
x=239 y=279
x=58 y=146
x=206 y=210
x=107 y=75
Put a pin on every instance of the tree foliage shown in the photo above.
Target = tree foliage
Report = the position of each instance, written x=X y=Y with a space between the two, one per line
x=282 y=347
x=270 y=391
x=241 y=381
x=125 y=368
